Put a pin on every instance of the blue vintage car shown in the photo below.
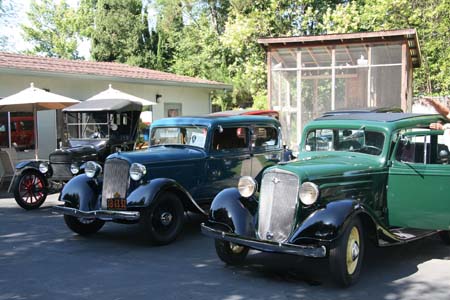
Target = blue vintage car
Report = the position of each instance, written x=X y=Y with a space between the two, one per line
x=189 y=161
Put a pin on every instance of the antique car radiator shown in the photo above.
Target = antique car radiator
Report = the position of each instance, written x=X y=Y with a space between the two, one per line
x=115 y=180
x=277 y=205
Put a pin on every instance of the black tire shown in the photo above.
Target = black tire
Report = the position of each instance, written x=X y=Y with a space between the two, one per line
x=229 y=253
x=347 y=255
x=30 y=189
x=163 y=221
x=83 y=226
x=445 y=236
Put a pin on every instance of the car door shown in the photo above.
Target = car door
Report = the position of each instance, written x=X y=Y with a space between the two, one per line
x=266 y=149
x=229 y=159
x=419 y=182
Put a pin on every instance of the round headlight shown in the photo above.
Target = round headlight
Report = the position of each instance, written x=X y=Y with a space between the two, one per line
x=309 y=192
x=74 y=169
x=137 y=171
x=92 y=169
x=43 y=167
x=246 y=186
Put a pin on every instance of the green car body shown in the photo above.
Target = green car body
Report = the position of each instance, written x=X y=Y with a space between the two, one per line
x=378 y=176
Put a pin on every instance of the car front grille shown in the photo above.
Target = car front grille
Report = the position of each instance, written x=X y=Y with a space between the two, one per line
x=115 y=180
x=277 y=205
x=61 y=172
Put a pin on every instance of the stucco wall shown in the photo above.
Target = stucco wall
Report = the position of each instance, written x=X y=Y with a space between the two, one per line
x=194 y=101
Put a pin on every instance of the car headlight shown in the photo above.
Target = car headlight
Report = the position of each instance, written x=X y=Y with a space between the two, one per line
x=309 y=192
x=137 y=171
x=247 y=186
x=43 y=167
x=74 y=169
x=92 y=169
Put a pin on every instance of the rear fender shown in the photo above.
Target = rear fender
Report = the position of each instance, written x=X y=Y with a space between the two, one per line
x=327 y=223
x=83 y=193
x=234 y=212
x=145 y=194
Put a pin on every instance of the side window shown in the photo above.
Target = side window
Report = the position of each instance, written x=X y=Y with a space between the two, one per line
x=231 y=138
x=266 y=138
x=423 y=149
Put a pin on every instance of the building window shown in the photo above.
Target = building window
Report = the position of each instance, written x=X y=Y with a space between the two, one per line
x=172 y=110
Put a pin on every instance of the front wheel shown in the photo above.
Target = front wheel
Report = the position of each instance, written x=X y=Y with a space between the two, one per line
x=229 y=253
x=30 y=189
x=346 y=256
x=83 y=226
x=163 y=220
x=445 y=237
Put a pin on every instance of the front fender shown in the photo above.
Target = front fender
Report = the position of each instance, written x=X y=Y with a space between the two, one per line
x=34 y=164
x=229 y=209
x=145 y=194
x=327 y=223
x=83 y=193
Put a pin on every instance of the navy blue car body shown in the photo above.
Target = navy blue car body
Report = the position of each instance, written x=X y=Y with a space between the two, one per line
x=189 y=161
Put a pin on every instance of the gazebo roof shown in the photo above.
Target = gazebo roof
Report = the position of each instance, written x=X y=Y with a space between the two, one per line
x=383 y=37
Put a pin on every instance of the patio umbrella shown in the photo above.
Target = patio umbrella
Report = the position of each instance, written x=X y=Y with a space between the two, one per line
x=33 y=99
x=110 y=94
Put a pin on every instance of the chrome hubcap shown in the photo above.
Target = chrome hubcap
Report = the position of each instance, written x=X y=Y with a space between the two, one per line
x=166 y=218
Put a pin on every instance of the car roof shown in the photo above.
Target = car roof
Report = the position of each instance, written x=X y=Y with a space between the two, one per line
x=377 y=117
x=211 y=120
x=377 y=121
x=118 y=105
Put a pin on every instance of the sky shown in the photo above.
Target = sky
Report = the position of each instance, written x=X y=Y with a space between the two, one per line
x=16 y=42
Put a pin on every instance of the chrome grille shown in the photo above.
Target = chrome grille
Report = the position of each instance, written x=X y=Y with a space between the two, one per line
x=115 y=179
x=277 y=205
x=61 y=172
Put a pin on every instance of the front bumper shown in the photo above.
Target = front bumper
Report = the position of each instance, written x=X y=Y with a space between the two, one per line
x=106 y=215
x=265 y=246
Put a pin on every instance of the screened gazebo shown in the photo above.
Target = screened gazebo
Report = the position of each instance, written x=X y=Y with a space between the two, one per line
x=310 y=75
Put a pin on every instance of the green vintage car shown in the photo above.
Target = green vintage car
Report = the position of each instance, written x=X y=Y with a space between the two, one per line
x=381 y=177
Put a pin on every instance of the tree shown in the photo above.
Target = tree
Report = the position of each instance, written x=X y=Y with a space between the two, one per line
x=121 y=33
x=7 y=16
x=53 y=29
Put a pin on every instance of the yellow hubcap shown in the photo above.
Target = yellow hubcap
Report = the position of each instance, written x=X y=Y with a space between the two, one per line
x=352 y=251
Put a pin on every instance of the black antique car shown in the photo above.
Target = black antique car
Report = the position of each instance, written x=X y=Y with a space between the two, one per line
x=381 y=177
x=190 y=159
x=95 y=129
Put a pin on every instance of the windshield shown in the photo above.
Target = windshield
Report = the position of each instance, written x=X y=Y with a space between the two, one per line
x=354 y=140
x=186 y=135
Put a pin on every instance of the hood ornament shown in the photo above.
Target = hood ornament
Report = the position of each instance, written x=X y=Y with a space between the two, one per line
x=275 y=180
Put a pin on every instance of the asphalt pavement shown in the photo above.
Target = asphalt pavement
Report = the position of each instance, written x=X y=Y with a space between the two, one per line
x=40 y=258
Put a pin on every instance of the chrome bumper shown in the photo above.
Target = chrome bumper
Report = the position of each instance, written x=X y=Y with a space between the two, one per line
x=265 y=246
x=106 y=215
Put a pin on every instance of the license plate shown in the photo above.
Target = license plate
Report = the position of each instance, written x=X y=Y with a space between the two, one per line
x=116 y=203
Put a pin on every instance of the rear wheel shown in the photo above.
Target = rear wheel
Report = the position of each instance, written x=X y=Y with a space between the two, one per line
x=347 y=255
x=230 y=253
x=30 y=189
x=163 y=220
x=445 y=236
x=83 y=226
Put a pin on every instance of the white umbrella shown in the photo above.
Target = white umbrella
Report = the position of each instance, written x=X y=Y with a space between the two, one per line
x=33 y=99
x=111 y=93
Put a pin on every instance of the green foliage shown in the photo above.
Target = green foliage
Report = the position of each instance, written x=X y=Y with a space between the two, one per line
x=52 y=29
x=7 y=14
x=120 y=32
x=217 y=39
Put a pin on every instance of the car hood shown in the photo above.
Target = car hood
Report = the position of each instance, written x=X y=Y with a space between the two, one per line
x=158 y=154
x=315 y=166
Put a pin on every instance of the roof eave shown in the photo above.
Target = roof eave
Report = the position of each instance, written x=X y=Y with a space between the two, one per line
x=210 y=86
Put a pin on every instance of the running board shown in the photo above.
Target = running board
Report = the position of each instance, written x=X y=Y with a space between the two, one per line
x=406 y=234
